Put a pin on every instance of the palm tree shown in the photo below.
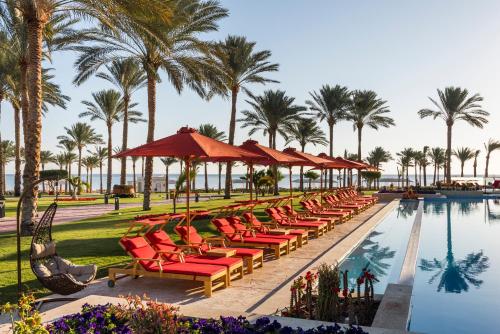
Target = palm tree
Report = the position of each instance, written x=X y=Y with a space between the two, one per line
x=68 y=146
x=7 y=149
x=273 y=112
x=82 y=134
x=45 y=158
x=405 y=160
x=437 y=155
x=167 y=162
x=456 y=104
x=330 y=104
x=456 y=275
x=463 y=154
x=366 y=109
x=134 y=179
x=378 y=156
x=311 y=176
x=423 y=163
x=175 y=48
x=128 y=76
x=239 y=65
x=490 y=146
x=60 y=161
x=91 y=162
x=305 y=131
x=101 y=153
x=417 y=157
x=108 y=107
x=69 y=158
x=476 y=155
x=211 y=131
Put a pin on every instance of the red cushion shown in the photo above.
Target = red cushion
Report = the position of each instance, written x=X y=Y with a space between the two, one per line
x=159 y=236
x=133 y=243
x=247 y=251
x=194 y=269
x=219 y=261
x=263 y=240
x=193 y=234
x=297 y=232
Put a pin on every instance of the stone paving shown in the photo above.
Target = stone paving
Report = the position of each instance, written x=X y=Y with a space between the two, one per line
x=262 y=292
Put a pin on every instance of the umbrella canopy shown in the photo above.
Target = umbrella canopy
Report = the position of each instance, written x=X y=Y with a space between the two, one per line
x=187 y=143
x=311 y=160
x=273 y=156
x=335 y=162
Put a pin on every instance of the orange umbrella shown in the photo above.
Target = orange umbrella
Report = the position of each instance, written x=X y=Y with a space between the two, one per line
x=188 y=144
x=275 y=157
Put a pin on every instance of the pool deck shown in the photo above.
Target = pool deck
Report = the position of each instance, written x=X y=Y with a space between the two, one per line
x=261 y=293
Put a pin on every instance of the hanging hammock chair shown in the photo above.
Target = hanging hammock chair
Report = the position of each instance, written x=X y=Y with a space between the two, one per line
x=54 y=272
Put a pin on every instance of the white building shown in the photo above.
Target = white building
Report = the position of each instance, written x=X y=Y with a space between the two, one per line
x=157 y=185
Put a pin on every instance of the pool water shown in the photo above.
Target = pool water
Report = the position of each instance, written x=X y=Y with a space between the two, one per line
x=383 y=251
x=457 y=282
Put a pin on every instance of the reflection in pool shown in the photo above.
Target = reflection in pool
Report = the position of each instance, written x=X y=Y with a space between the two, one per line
x=456 y=288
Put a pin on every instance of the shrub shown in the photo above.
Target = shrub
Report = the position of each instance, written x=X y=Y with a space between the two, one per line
x=30 y=321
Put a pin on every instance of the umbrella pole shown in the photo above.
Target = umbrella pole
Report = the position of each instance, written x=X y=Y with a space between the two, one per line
x=291 y=188
x=188 y=181
x=250 y=168
x=321 y=187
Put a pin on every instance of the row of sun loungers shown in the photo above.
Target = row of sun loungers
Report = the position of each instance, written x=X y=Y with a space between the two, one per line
x=239 y=249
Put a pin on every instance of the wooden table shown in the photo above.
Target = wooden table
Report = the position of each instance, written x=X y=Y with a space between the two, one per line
x=221 y=252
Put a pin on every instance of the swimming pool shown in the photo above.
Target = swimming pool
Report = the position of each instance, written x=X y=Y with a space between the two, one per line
x=384 y=249
x=457 y=282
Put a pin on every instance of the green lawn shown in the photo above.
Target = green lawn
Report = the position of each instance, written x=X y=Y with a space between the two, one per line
x=88 y=241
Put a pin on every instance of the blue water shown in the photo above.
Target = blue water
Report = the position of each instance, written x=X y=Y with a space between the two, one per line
x=457 y=283
x=383 y=251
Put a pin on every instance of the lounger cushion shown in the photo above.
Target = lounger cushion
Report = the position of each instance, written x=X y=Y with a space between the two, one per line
x=219 y=261
x=43 y=250
x=244 y=252
x=262 y=240
x=41 y=270
x=159 y=236
x=194 y=269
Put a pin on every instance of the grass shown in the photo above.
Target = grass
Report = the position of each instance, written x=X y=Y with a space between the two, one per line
x=88 y=241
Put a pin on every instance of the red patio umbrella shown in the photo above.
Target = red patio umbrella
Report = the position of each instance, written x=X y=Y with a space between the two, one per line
x=312 y=160
x=337 y=163
x=188 y=144
x=275 y=157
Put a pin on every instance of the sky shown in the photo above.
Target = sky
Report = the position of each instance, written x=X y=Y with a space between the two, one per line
x=402 y=50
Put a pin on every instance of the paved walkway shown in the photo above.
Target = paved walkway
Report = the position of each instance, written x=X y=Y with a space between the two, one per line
x=262 y=292
x=75 y=213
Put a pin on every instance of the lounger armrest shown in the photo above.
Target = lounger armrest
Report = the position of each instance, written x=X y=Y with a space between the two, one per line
x=215 y=240
x=180 y=254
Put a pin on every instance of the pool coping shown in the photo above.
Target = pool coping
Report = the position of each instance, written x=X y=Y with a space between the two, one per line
x=395 y=308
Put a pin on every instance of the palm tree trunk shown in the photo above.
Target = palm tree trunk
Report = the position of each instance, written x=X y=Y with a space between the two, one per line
x=110 y=161
x=220 y=176
x=359 y=154
x=142 y=167
x=17 y=142
x=90 y=183
x=43 y=183
x=133 y=176
x=100 y=177
x=148 y=172
x=434 y=178
x=487 y=164
x=462 y=163
x=448 y=154
x=206 y=177
x=275 y=169
x=232 y=130
x=475 y=166
x=31 y=173
x=123 y=167
x=331 y=152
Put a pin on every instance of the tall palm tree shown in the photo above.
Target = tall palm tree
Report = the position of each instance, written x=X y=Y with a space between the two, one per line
x=330 y=104
x=367 y=109
x=406 y=161
x=60 y=161
x=45 y=158
x=456 y=104
x=128 y=76
x=239 y=65
x=211 y=131
x=273 y=112
x=463 y=154
x=69 y=158
x=91 y=162
x=490 y=146
x=417 y=157
x=305 y=131
x=134 y=179
x=423 y=163
x=82 y=134
x=437 y=156
x=378 y=156
x=167 y=162
x=68 y=146
x=101 y=153
x=174 y=47
x=107 y=107
x=7 y=149
x=476 y=155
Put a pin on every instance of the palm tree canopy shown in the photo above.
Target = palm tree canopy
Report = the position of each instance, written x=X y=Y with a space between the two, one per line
x=406 y=157
x=46 y=157
x=211 y=131
x=8 y=151
x=367 y=109
x=378 y=156
x=437 y=155
x=168 y=161
x=81 y=134
x=463 y=154
x=126 y=74
x=273 y=111
x=240 y=64
x=330 y=103
x=492 y=145
x=107 y=106
x=456 y=104
x=305 y=131
x=100 y=152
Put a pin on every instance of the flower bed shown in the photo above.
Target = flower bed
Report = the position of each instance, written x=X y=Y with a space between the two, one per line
x=148 y=317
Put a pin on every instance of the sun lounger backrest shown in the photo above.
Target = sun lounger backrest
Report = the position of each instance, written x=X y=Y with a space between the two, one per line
x=159 y=236
x=194 y=236
x=224 y=227
x=138 y=247
x=240 y=227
